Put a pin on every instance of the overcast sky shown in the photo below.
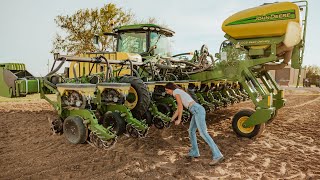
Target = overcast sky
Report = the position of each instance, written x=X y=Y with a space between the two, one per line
x=28 y=28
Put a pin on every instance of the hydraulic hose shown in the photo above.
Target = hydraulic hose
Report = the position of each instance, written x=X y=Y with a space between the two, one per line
x=57 y=68
x=131 y=66
x=108 y=67
x=182 y=54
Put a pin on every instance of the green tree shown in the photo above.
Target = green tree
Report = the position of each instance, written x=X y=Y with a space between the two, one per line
x=313 y=74
x=78 y=29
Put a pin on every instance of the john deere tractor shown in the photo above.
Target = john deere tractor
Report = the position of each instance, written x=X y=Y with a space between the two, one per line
x=105 y=94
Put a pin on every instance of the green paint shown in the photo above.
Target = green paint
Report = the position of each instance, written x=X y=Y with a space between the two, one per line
x=261 y=115
x=156 y=113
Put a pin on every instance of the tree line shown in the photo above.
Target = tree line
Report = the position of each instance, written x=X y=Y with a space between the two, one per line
x=76 y=31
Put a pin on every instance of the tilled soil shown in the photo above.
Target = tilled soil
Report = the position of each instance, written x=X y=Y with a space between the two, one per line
x=289 y=148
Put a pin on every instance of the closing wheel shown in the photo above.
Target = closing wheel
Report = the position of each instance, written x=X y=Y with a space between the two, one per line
x=158 y=123
x=249 y=132
x=74 y=130
x=115 y=121
x=133 y=132
x=164 y=109
x=138 y=99
x=148 y=117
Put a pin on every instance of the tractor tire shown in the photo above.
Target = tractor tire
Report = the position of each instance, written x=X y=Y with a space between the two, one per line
x=117 y=123
x=74 y=130
x=148 y=117
x=250 y=132
x=139 y=98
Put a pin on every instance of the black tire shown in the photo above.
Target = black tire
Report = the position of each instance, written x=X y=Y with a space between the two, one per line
x=140 y=104
x=148 y=117
x=74 y=130
x=250 y=132
x=114 y=120
x=158 y=123
x=55 y=79
x=94 y=79
x=164 y=109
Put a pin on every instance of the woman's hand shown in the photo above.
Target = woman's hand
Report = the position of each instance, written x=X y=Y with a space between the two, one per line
x=177 y=122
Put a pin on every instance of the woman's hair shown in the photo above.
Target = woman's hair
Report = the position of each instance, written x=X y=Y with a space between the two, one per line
x=171 y=85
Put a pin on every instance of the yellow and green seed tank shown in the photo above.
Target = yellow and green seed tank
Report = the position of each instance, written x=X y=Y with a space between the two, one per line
x=264 y=21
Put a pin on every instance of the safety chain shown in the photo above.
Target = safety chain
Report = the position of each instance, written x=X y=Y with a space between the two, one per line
x=134 y=132
x=56 y=126
x=97 y=141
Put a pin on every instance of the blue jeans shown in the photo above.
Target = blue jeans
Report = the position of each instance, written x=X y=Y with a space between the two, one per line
x=199 y=121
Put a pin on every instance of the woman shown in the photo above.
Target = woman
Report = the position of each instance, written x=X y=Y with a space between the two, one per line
x=198 y=121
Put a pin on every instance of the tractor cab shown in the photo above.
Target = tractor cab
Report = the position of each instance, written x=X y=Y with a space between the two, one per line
x=152 y=43
x=144 y=39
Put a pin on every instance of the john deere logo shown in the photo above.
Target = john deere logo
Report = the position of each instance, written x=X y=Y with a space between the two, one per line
x=274 y=16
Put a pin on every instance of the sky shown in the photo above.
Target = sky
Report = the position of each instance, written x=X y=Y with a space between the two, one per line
x=28 y=28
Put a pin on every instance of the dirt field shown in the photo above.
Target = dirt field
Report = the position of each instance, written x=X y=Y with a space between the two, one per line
x=288 y=149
